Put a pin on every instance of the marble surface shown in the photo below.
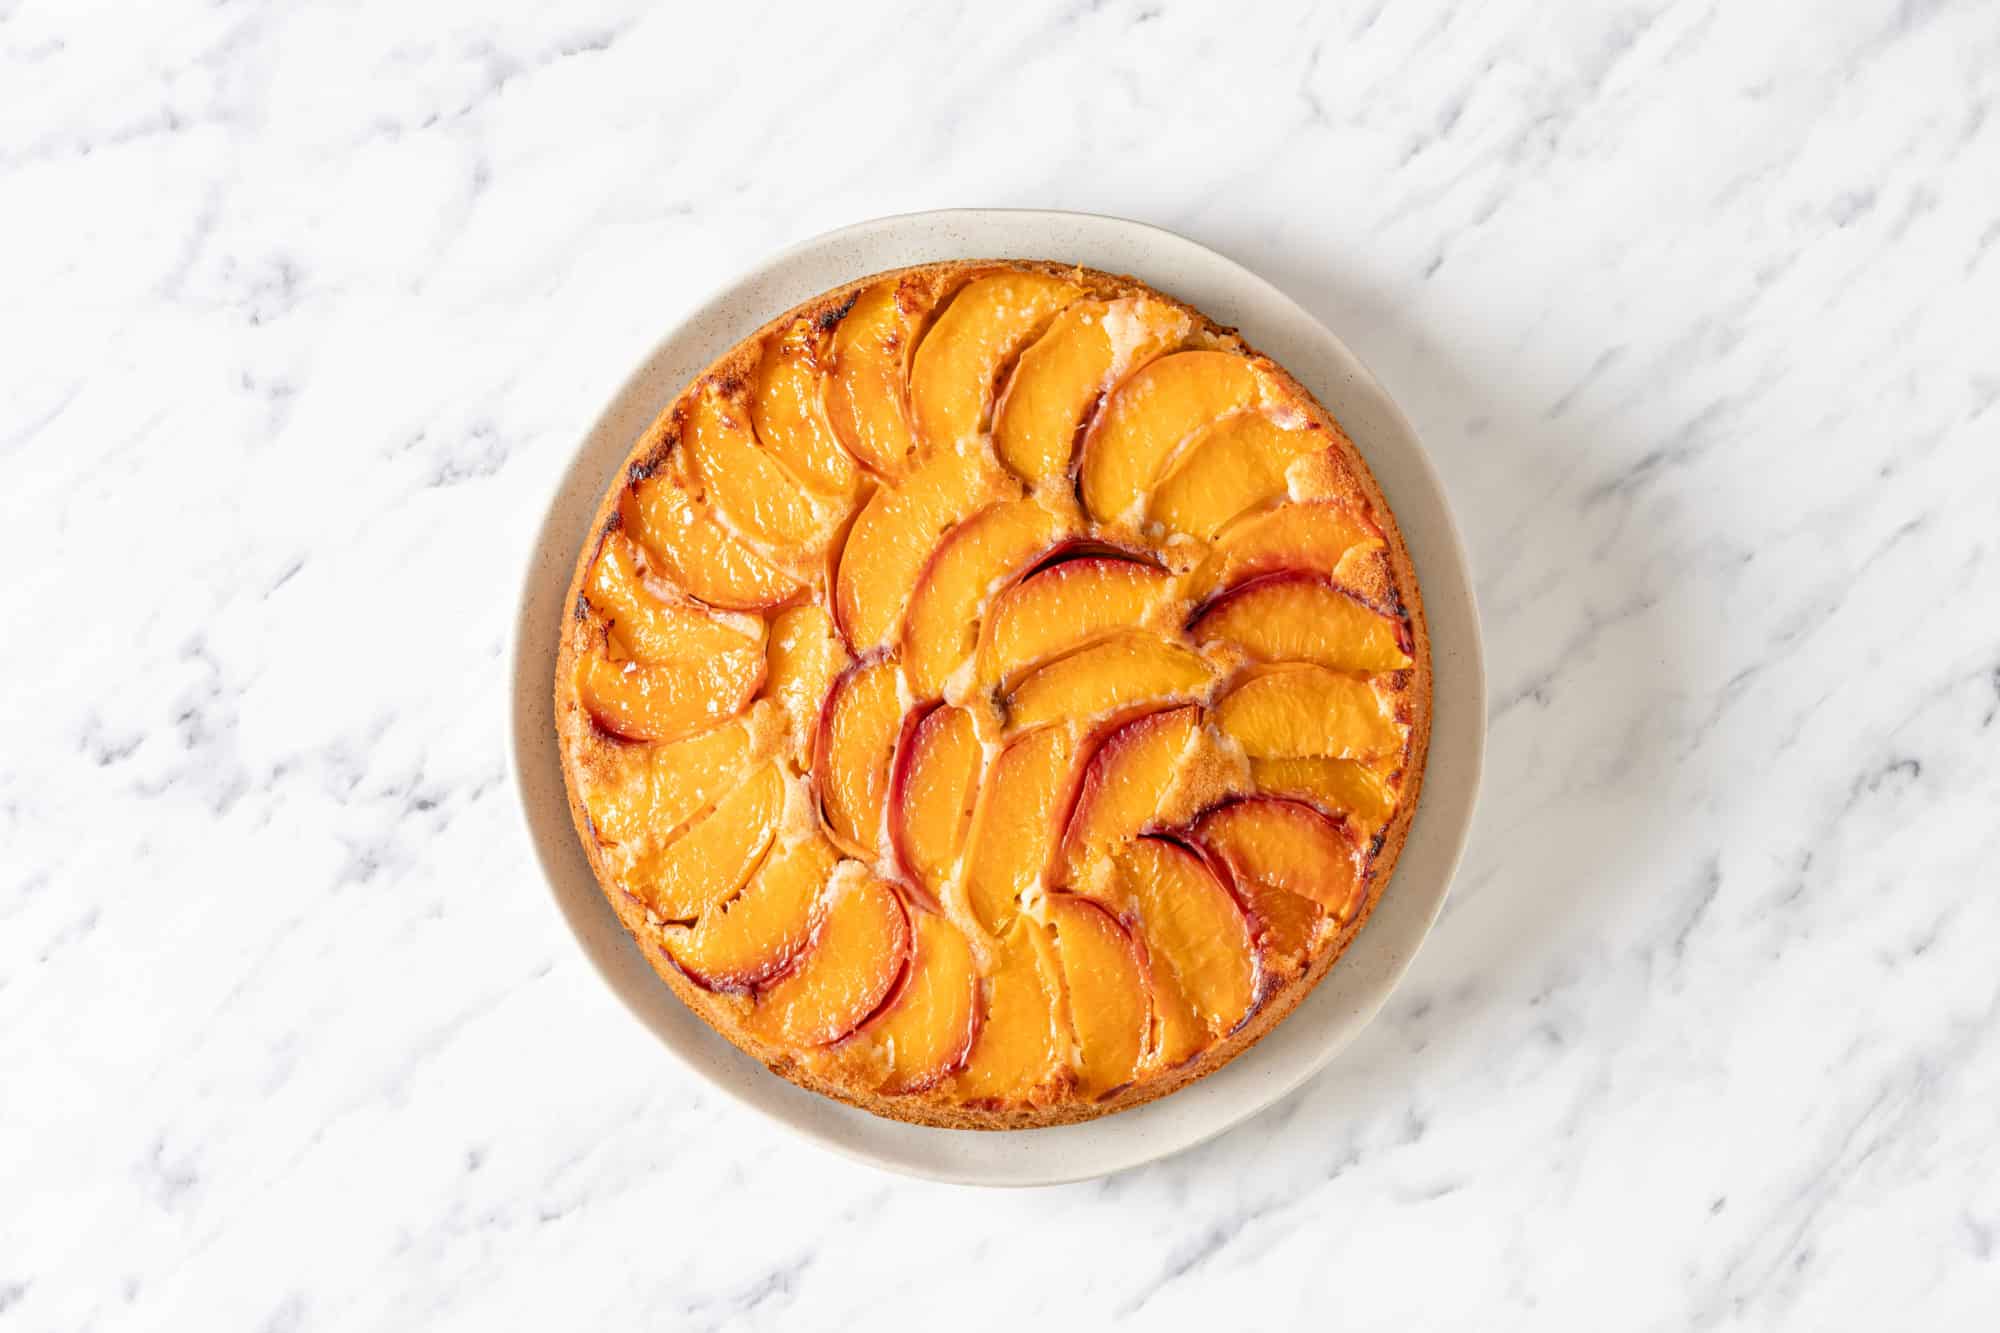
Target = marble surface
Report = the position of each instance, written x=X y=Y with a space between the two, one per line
x=303 y=307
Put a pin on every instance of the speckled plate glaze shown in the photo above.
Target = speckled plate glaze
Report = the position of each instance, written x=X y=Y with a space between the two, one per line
x=1358 y=985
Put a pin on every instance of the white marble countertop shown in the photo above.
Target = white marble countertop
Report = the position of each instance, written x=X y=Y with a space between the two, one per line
x=302 y=309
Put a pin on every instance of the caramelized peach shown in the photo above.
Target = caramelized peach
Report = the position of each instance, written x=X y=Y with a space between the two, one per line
x=788 y=412
x=1060 y=380
x=1300 y=710
x=1104 y=978
x=1238 y=466
x=1063 y=607
x=1288 y=846
x=856 y=956
x=652 y=628
x=1014 y=825
x=1018 y=1048
x=1193 y=925
x=941 y=628
x=698 y=553
x=681 y=779
x=932 y=792
x=925 y=1032
x=1115 y=673
x=865 y=391
x=750 y=490
x=753 y=937
x=1343 y=787
x=715 y=855
x=804 y=654
x=1149 y=417
x=1321 y=537
x=669 y=700
x=963 y=355
x=1298 y=617
x=893 y=538
x=857 y=740
x=1123 y=785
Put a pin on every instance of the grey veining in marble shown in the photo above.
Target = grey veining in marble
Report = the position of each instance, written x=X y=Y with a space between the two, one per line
x=302 y=307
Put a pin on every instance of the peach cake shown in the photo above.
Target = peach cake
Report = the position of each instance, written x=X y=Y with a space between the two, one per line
x=994 y=694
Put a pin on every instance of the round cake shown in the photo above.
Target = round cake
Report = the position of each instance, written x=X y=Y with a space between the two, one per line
x=994 y=694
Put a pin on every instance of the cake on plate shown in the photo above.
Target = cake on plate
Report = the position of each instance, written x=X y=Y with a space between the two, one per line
x=993 y=694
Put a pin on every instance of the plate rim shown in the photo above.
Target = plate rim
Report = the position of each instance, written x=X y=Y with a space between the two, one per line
x=1044 y=1156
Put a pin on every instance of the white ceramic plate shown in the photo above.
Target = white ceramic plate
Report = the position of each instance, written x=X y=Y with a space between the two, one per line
x=1357 y=986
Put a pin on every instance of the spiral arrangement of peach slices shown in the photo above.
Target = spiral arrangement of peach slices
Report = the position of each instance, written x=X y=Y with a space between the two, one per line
x=998 y=691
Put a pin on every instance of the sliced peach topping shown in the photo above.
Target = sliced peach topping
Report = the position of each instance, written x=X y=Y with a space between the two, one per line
x=713 y=858
x=962 y=356
x=698 y=553
x=1063 y=607
x=1149 y=417
x=670 y=700
x=1014 y=825
x=1297 y=617
x=1299 y=710
x=1195 y=930
x=1238 y=466
x=932 y=792
x=893 y=538
x=941 y=628
x=925 y=1032
x=1345 y=787
x=1104 y=978
x=1123 y=785
x=652 y=628
x=680 y=780
x=788 y=410
x=857 y=741
x=1018 y=1048
x=1320 y=537
x=1290 y=846
x=1129 y=667
x=755 y=936
x=805 y=654
x=1285 y=924
x=866 y=399
x=854 y=960
x=749 y=488
x=1061 y=378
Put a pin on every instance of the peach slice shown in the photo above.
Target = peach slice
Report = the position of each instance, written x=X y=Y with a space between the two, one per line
x=856 y=956
x=651 y=629
x=756 y=935
x=1018 y=1046
x=669 y=700
x=749 y=488
x=698 y=553
x=805 y=655
x=857 y=739
x=866 y=390
x=1302 y=618
x=1194 y=926
x=680 y=780
x=1236 y=467
x=1063 y=607
x=941 y=628
x=1285 y=924
x=788 y=410
x=1104 y=975
x=1289 y=846
x=1130 y=667
x=1299 y=710
x=931 y=793
x=1321 y=537
x=712 y=859
x=925 y=1033
x=1147 y=419
x=1123 y=785
x=961 y=358
x=1014 y=825
x=1343 y=787
x=894 y=536
x=1062 y=377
